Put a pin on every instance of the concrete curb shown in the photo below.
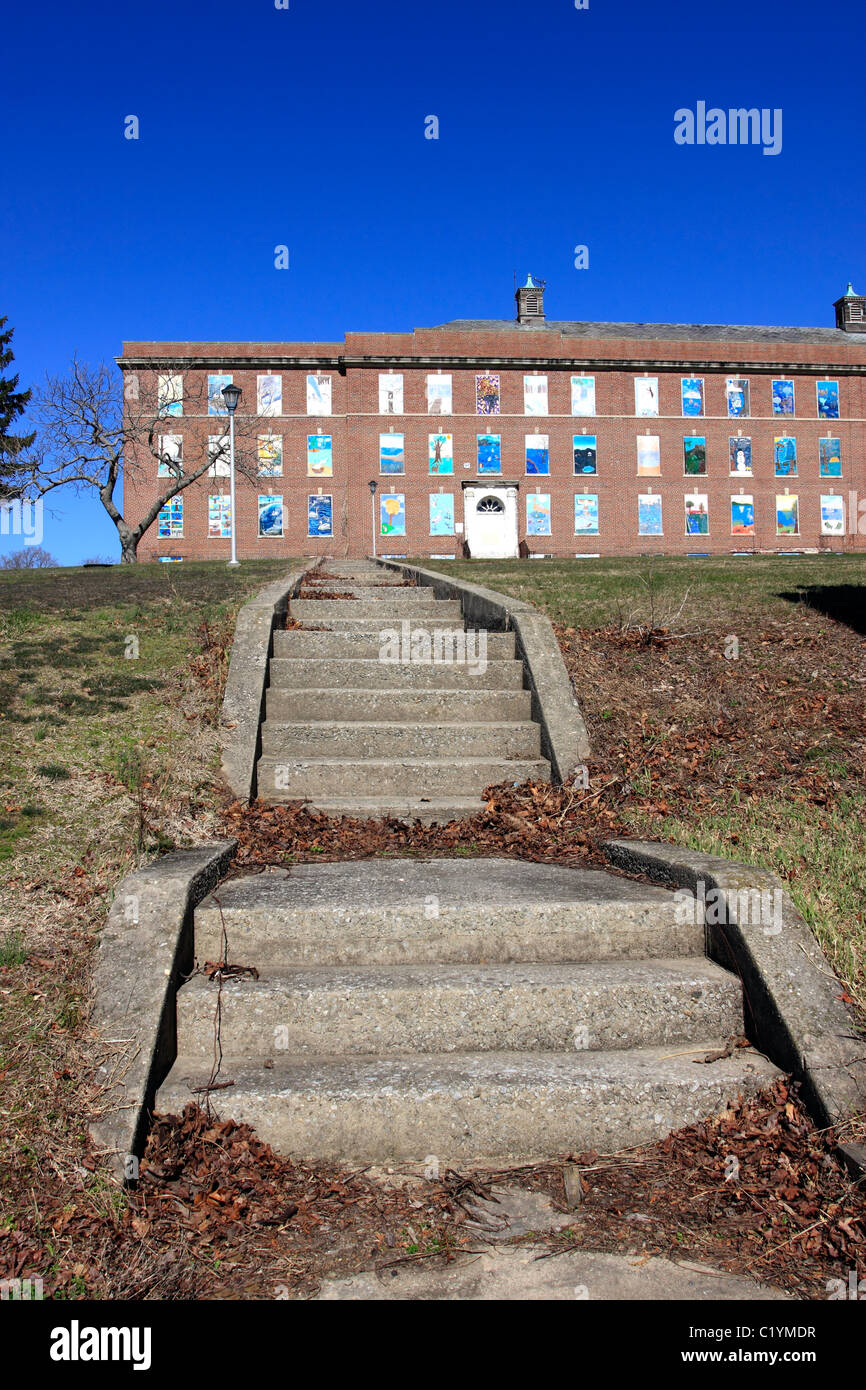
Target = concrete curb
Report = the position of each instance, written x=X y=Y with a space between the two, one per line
x=243 y=702
x=146 y=951
x=564 y=739
x=793 y=1012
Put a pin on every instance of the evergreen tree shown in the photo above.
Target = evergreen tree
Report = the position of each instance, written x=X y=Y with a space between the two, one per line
x=13 y=447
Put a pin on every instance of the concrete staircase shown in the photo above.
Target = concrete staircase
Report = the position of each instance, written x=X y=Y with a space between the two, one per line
x=476 y=1010
x=353 y=733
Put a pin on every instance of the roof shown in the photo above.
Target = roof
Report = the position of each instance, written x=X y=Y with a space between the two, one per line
x=677 y=332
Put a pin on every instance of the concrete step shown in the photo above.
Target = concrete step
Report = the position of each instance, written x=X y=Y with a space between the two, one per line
x=428 y=810
x=372 y=626
x=496 y=646
x=316 y=609
x=369 y=673
x=455 y=910
x=381 y=1010
x=473 y=1107
x=375 y=739
x=397 y=706
x=372 y=592
x=292 y=779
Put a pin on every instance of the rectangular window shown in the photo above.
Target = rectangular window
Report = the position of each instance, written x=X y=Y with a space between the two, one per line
x=738 y=396
x=215 y=403
x=783 y=397
x=439 y=394
x=441 y=514
x=535 y=395
x=832 y=515
x=649 y=514
x=318 y=394
x=538 y=514
x=695 y=454
x=828 y=400
x=586 y=514
x=693 y=395
x=487 y=393
x=320 y=457
x=743 y=515
x=649 y=463
x=269 y=449
x=440 y=453
x=320 y=515
x=170 y=520
x=583 y=395
x=392 y=453
x=585 y=453
x=170 y=393
x=269 y=395
x=219 y=517
x=170 y=456
x=787 y=515
x=489 y=453
x=697 y=514
x=830 y=458
x=785 y=455
x=392 y=514
x=537 y=454
x=270 y=515
x=646 y=395
x=740 y=451
x=390 y=393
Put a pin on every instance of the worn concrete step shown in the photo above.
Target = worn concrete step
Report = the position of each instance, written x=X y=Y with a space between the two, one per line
x=371 y=592
x=375 y=739
x=444 y=642
x=428 y=810
x=370 y=704
x=291 y=779
x=314 y=609
x=380 y=1010
x=481 y=1107
x=366 y=673
x=457 y=910
x=372 y=626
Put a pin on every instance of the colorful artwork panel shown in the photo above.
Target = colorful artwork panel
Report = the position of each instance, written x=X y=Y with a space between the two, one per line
x=785 y=455
x=783 y=396
x=649 y=514
x=583 y=395
x=441 y=514
x=392 y=453
x=318 y=394
x=269 y=451
x=828 y=400
x=169 y=523
x=439 y=394
x=697 y=514
x=585 y=514
x=537 y=454
x=695 y=454
x=830 y=458
x=440 y=453
x=269 y=395
x=390 y=393
x=320 y=456
x=215 y=403
x=787 y=515
x=170 y=456
x=646 y=395
x=649 y=463
x=693 y=395
x=320 y=515
x=535 y=395
x=740 y=455
x=219 y=517
x=832 y=516
x=487 y=393
x=270 y=515
x=170 y=393
x=738 y=396
x=585 y=453
x=538 y=514
x=743 y=515
x=489 y=453
x=392 y=514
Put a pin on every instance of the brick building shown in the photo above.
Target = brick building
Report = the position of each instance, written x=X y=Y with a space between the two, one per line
x=506 y=437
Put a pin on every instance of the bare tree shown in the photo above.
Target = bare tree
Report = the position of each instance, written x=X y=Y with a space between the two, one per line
x=92 y=433
x=32 y=557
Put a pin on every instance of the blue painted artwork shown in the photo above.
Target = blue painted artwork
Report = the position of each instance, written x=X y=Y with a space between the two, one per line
x=215 y=403
x=585 y=514
x=170 y=520
x=741 y=455
x=441 y=514
x=270 y=515
x=320 y=516
x=649 y=515
x=585 y=453
x=537 y=454
x=828 y=400
x=830 y=458
x=783 y=397
x=392 y=453
x=693 y=395
x=538 y=514
x=785 y=455
x=489 y=453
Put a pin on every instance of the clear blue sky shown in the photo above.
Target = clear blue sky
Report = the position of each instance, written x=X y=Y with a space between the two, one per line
x=306 y=127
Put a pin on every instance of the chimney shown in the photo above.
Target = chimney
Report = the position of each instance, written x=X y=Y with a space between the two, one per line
x=530 y=301
x=851 y=311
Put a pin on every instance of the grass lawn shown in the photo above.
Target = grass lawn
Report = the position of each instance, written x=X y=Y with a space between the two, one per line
x=753 y=748
x=110 y=687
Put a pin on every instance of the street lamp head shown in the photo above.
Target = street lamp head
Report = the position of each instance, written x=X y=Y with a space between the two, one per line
x=373 y=484
x=231 y=395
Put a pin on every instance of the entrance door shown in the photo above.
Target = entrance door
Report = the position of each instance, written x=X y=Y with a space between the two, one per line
x=490 y=520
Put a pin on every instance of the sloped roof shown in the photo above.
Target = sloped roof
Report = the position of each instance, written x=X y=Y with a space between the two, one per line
x=677 y=332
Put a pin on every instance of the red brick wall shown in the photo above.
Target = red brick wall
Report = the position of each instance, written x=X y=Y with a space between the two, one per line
x=355 y=425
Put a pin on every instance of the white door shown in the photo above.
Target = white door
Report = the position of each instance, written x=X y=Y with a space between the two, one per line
x=490 y=520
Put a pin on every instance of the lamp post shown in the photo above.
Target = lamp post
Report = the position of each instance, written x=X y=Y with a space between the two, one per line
x=372 y=486
x=231 y=395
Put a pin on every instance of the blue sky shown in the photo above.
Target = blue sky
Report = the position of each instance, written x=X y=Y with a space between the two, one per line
x=305 y=127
